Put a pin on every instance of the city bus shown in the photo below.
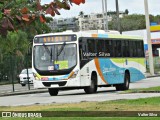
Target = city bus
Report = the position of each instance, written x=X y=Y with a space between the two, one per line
x=87 y=60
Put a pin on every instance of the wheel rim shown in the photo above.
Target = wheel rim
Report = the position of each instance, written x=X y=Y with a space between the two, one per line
x=92 y=84
x=127 y=81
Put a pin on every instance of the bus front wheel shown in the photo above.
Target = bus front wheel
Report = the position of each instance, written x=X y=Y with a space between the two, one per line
x=125 y=85
x=53 y=91
x=93 y=87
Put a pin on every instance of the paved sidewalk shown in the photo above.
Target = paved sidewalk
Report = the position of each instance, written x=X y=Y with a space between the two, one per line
x=148 y=75
x=34 y=91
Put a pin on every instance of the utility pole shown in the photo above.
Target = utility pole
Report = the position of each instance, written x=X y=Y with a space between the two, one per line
x=118 y=20
x=12 y=71
x=103 y=14
x=104 y=11
x=106 y=17
x=151 y=67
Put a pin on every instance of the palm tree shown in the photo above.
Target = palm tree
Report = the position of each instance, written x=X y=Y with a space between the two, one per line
x=81 y=13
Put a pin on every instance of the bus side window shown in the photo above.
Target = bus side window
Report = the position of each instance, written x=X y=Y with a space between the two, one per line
x=109 y=47
x=125 y=48
x=118 y=48
x=83 y=48
x=131 y=48
x=140 y=49
x=135 y=49
x=91 y=47
x=80 y=50
x=100 y=46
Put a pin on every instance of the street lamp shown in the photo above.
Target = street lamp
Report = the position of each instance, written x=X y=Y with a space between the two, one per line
x=151 y=67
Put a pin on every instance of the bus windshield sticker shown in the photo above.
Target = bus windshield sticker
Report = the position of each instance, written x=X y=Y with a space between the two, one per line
x=50 y=67
x=56 y=66
x=62 y=64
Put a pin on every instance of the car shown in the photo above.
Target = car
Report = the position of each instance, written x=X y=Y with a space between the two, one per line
x=23 y=77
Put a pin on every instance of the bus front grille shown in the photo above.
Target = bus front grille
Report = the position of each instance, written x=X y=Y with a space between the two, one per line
x=48 y=84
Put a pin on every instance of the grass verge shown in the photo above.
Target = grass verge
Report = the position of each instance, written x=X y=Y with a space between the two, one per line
x=86 y=118
x=144 y=90
x=142 y=104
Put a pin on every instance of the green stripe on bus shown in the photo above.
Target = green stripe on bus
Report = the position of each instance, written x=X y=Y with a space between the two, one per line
x=124 y=36
x=122 y=60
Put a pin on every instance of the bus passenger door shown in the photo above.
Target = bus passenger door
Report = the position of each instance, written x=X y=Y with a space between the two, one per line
x=84 y=68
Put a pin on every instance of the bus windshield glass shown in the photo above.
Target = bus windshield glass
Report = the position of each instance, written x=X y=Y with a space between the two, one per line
x=55 y=57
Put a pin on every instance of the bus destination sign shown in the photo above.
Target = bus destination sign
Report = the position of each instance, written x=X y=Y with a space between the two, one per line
x=55 y=39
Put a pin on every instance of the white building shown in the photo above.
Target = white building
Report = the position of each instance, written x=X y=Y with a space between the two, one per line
x=64 y=24
x=93 y=21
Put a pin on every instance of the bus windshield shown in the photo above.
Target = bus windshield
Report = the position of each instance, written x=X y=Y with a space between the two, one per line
x=55 y=57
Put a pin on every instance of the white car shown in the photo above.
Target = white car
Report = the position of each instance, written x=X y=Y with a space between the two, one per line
x=23 y=77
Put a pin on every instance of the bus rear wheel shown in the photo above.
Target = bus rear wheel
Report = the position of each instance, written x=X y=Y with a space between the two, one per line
x=53 y=91
x=93 y=87
x=125 y=85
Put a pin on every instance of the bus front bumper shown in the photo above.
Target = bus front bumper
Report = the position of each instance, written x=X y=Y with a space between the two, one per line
x=56 y=84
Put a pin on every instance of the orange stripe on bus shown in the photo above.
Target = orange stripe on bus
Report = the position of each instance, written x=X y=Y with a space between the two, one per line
x=98 y=69
x=94 y=35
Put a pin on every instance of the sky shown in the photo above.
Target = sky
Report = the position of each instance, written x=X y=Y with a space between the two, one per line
x=95 y=6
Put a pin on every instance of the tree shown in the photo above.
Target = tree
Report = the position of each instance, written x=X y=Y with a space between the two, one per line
x=126 y=11
x=12 y=51
x=81 y=13
x=130 y=22
x=16 y=14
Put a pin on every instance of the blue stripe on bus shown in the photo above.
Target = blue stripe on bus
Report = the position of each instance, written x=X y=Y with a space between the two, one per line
x=102 y=35
x=115 y=75
x=58 y=78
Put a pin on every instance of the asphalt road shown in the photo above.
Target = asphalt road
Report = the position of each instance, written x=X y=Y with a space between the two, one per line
x=75 y=96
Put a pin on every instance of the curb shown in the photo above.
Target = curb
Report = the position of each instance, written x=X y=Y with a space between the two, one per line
x=153 y=76
x=23 y=93
x=141 y=91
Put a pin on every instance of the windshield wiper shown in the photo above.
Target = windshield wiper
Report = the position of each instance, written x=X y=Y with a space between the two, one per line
x=46 y=48
x=60 y=50
x=48 y=51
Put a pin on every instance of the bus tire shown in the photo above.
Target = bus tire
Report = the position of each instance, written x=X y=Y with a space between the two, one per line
x=53 y=91
x=93 y=87
x=125 y=85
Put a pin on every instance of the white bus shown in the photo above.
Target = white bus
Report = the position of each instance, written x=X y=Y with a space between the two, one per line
x=86 y=60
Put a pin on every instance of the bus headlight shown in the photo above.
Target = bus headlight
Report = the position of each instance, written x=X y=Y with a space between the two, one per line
x=36 y=76
x=73 y=74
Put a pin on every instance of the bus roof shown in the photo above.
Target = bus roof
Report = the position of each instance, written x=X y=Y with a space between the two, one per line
x=95 y=34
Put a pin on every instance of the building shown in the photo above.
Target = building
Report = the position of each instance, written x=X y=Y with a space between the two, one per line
x=93 y=21
x=64 y=24
x=96 y=21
